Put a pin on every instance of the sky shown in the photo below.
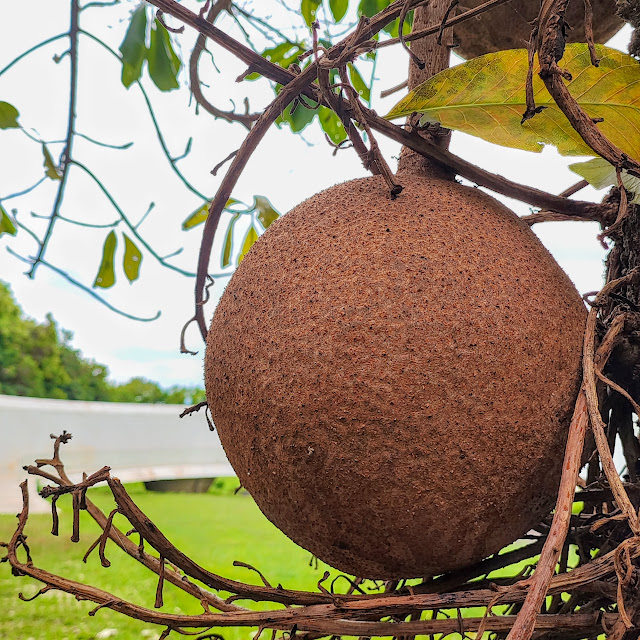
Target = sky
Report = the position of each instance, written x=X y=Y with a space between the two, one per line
x=286 y=168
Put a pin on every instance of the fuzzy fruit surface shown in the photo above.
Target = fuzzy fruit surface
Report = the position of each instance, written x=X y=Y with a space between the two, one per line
x=393 y=380
x=509 y=25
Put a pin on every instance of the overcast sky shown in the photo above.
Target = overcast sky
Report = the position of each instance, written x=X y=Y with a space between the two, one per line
x=287 y=168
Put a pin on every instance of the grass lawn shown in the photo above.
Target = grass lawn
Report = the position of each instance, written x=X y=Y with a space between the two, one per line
x=214 y=529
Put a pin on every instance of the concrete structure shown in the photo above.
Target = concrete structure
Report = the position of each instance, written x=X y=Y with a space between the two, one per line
x=138 y=441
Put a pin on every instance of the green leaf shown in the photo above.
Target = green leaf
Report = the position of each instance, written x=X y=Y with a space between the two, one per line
x=600 y=174
x=308 y=9
x=106 y=274
x=331 y=125
x=133 y=47
x=6 y=223
x=371 y=7
x=250 y=238
x=393 y=28
x=284 y=55
x=228 y=242
x=201 y=214
x=51 y=170
x=485 y=97
x=8 y=116
x=338 y=9
x=164 y=63
x=297 y=118
x=265 y=210
x=359 y=84
x=132 y=259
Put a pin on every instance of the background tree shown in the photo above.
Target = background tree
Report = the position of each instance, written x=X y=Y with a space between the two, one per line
x=38 y=360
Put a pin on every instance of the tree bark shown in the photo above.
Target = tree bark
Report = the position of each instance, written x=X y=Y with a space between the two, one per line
x=435 y=58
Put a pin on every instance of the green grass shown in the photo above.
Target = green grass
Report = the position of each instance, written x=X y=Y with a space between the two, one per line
x=214 y=529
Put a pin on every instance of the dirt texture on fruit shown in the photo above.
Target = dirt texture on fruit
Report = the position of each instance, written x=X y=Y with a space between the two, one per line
x=509 y=26
x=393 y=380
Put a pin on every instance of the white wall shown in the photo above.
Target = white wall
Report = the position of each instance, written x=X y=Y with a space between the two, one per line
x=138 y=441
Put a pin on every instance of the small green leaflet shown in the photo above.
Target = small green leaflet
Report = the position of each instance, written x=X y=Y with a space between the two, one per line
x=201 y=214
x=132 y=259
x=50 y=166
x=250 y=238
x=266 y=213
x=106 y=274
x=228 y=241
x=8 y=116
x=359 y=84
x=308 y=9
x=164 y=64
x=331 y=125
x=6 y=223
x=284 y=54
x=600 y=174
x=485 y=97
x=133 y=47
x=338 y=9
x=371 y=7
x=297 y=117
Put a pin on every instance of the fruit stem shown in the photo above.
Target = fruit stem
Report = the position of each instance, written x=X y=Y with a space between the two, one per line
x=435 y=58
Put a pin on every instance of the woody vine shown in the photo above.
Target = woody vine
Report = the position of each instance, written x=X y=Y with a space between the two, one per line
x=598 y=593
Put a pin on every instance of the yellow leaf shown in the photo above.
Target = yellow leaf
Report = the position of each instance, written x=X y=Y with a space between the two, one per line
x=485 y=97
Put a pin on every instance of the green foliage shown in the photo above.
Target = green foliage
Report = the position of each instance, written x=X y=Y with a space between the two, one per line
x=8 y=116
x=51 y=171
x=600 y=174
x=358 y=83
x=261 y=209
x=38 y=360
x=249 y=240
x=309 y=9
x=202 y=213
x=143 y=390
x=133 y=47
x=106 y=274
x=485 y=97
x=132 y=259
x=164 y=63
x=6 y=223
x=338 y=9
x=191 y=521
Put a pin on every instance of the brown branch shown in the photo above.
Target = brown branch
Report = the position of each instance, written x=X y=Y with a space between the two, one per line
x=497 y=183
x=526 y=621
x=246 y=119
x=550 y=47
x=326 y=619
x=260 y=128
x=597 y=425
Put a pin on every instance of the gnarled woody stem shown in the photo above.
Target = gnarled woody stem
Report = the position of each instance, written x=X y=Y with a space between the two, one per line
x=435 y=58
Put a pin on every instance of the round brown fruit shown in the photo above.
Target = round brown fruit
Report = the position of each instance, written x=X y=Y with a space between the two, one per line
x=509 y=26
x=392 y=380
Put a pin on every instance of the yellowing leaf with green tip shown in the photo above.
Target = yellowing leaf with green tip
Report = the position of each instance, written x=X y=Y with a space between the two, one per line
x=132 y=259
x=106 y=275
x=485 y=97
